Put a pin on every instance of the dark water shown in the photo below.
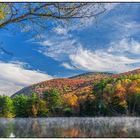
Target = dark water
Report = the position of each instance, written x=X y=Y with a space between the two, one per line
x=70 y=127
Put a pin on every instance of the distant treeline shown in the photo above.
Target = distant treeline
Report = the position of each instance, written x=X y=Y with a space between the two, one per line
x=110 y=97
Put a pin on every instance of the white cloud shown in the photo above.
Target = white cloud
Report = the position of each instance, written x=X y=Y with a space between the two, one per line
x=45 y=43
x=26 y=28
x=67 y=66
x=60 y=50
x=13 y=77
x=60 y=31
x=101 y=60
x=58 y=47
x=125 y=45
x=125 y=27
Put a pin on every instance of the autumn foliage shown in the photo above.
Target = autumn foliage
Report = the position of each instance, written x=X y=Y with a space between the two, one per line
x=113 y=95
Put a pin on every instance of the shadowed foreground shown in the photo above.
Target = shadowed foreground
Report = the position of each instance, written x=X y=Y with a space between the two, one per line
x=70 y=127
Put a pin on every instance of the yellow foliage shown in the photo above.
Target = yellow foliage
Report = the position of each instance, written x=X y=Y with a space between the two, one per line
x=118 y=86
x=125 y=82
x=70 y=99
x=3 y=9
x=34 y=111
x=2 y=15
x=123 y=103
x=138 y=82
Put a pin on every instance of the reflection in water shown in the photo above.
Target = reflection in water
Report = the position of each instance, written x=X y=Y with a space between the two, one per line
x=70 y=127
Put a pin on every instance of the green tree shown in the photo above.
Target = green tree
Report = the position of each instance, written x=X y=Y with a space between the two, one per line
x=29 y=106
x=117 y=106
x=41 y=108
x=36 y=107
x=133 y=99
x=32 y=106
x=68 y=112
x=53 y=100
x=20 y=105
x=6 y=107
x=98 y=91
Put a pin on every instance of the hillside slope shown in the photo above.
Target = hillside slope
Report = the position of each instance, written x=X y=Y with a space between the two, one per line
x=65 y=85
x=79 y=84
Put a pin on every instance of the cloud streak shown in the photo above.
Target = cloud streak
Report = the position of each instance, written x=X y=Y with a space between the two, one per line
x=102 y=60
x=125 y=46
x=67 y=66
x=114 y=58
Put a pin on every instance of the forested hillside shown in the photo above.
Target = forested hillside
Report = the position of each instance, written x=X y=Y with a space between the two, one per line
x=65 y=85
x=107 y=95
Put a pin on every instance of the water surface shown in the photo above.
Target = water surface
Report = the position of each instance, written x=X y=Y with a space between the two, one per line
x=70 y=127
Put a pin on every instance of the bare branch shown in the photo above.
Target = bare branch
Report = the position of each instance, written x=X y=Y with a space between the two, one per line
x=38 y=11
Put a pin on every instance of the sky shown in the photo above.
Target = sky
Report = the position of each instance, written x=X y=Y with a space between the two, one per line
x=109 y=43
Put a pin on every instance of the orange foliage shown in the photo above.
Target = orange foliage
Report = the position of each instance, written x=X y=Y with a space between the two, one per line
x=71 y=100
x=34 y=111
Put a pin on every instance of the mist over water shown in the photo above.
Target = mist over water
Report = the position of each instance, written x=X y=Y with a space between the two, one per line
x=70 y=127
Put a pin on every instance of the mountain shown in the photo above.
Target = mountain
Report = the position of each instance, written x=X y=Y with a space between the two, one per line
x=92 y=75
x=80 y=85
x=75 y=84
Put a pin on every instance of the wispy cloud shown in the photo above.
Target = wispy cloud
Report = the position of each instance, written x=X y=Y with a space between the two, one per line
x=26 y=28
x=59 y=45
x=67 y=66
x=45 y=43
x=13 y=77
x=102 y=60
x=125 y=46
x=60 y=30
x=60 y=50
x=126 y=28
x=113 y=58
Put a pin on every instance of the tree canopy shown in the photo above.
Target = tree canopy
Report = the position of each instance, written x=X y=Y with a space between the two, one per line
x=38 y=14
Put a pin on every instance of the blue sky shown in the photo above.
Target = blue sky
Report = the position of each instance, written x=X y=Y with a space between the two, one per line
x=111 y=43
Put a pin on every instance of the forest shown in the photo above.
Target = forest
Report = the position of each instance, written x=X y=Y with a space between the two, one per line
x=116 y=96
